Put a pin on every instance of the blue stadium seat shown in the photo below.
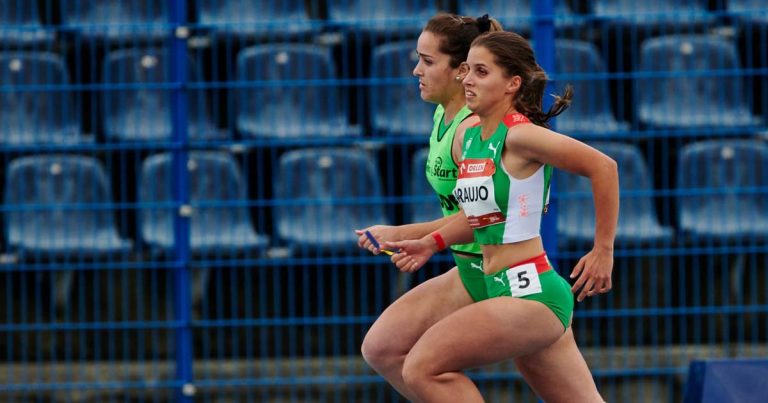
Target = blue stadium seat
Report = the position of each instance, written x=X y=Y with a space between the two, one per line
x=61 y=200
x=517 y=15
x=38 y=110
x=378 y=17
x=20 y=24
x=116 y=20
x=651 y=14
x=321 y=195
x=638 y=222
x=144 y=113
x=721 y=181
x=216 y=226
x=702 y=88
x=753 y=11
x=397 y=108
x=727 y=381
x=57 y=211
x=429 y=208
x=273 y=18
x=591 y=112
x=279 y=106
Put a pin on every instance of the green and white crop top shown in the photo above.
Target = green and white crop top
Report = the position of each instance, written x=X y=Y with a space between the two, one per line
x=500 y=208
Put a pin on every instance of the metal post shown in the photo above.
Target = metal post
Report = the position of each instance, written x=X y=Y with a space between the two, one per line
x=179 y=114
x=544 y=46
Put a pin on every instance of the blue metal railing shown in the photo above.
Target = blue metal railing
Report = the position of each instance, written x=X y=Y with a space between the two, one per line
x=150 y=324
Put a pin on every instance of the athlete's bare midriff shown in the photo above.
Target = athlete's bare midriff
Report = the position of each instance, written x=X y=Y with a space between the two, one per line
x=499 y=257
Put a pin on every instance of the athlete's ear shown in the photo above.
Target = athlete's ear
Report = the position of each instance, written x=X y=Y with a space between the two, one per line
x=513 y=84
x=463 y=70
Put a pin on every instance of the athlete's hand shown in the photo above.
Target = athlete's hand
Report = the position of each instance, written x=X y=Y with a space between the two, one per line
x=382 y=233
x=594 y=273
x=411 y=254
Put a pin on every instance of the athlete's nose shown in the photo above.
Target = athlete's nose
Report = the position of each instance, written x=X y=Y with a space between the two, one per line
x=416 y=71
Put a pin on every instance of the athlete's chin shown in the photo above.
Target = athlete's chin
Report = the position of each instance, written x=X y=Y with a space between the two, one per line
x=427 y=97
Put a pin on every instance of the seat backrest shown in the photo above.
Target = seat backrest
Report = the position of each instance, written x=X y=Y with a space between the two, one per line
x=117 y=19
x=574 y=60
x=215 y=182
x=653 y=12
x=722 y=180
x=699 y=74
x=323 y=192
x=290 y=89
x=19 y=13
x=427 y=209
x=144 y=113
x=38 y=110
x=750 y=10
x=256 y=16
x=637 y=208
x=394 y=15
x=515 y=15
x=20 y=21
x=399 y=103
x=60 y=196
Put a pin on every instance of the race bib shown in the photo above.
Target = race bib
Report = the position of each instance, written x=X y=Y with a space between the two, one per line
x=523 y=280
x=475 y=192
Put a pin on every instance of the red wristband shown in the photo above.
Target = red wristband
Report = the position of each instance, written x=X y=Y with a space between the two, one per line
x=439 y=240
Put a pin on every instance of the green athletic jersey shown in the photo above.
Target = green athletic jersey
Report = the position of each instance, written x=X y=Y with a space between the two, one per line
x=442 y=171
x=499 y=207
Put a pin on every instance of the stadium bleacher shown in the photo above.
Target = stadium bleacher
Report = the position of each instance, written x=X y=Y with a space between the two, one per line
x=180 y=198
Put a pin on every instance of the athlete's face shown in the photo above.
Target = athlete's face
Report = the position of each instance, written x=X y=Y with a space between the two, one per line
x=437 y=80
x=486 y=84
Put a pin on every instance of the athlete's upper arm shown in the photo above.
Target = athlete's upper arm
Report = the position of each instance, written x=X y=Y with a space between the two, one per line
x=546 y=146
x=457 y=148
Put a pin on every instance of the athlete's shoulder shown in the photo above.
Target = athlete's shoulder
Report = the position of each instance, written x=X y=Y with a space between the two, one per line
x=438 y=113
x=470 y=121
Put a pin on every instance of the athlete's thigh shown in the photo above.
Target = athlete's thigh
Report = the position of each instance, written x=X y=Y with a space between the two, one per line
x=485 y=332
x=559 y=373
x=406 y=319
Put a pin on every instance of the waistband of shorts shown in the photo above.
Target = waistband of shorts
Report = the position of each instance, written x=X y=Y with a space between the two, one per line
x=541 y=262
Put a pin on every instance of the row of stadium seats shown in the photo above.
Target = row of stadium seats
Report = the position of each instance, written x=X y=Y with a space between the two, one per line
x=148 y=19
x=684 y=82
x=61 y=205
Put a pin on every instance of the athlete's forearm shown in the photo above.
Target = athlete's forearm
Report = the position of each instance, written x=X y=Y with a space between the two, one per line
x=419 y=230
x=456 y=230
x=605 y=190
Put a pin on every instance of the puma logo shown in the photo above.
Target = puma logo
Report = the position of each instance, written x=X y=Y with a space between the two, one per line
x=500 y=280
x=493 y=148
x=476 y=266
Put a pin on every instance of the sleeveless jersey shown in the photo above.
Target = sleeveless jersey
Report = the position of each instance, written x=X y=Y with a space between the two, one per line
x=442 y=171
x=500 y=208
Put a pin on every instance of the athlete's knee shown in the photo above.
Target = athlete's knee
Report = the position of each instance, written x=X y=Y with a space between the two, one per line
x=418 y=371
x=413 y=374
x=380 y=352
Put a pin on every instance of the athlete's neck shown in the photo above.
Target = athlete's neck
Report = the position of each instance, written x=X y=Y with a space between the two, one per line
x=452 y=107
x=491 y=119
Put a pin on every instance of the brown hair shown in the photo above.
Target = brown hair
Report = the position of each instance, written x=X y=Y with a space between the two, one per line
x=457 y=33
x=514 y=54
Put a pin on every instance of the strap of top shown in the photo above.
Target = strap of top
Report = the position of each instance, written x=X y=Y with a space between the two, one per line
x=514 y=119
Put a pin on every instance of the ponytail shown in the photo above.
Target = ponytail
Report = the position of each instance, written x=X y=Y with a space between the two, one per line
x=529 y=99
